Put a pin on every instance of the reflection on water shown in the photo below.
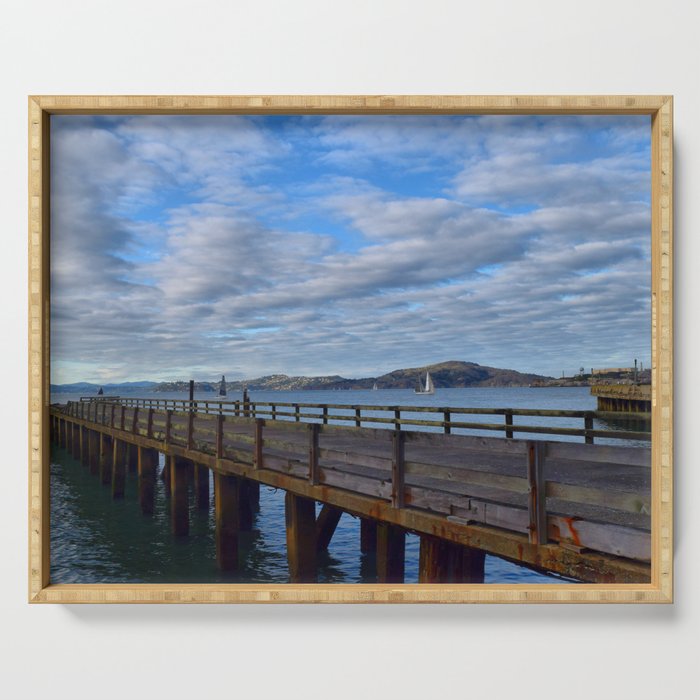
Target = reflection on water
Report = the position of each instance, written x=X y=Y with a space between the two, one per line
x=95 y=539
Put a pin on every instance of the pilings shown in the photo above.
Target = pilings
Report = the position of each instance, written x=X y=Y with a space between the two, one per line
x=179 y=504
x=441 y=561
x=391 y=552
x=227 y=521
x=94 y=451
x=300 y=518
x=118 y=468
x=147 y=466
x=201 y=486
x=106 y=458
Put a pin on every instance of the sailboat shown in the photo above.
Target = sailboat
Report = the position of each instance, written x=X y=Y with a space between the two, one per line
x=222 y=386
x=429 y=387
x=375 y=387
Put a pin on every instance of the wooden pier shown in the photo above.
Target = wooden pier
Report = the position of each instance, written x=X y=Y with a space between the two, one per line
x=624 y=398
x=581 y=510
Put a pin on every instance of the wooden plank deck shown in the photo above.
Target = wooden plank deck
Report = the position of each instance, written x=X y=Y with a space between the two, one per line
x=469 y=490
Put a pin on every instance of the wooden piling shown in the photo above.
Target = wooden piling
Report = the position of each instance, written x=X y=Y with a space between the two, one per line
x=132 y=458
x=179 y=504
x=147 y=465
x=75 y=429
x=391 y=553
x=106 y=458
x=300 y=518
x=62 y=433
x=327 y=522
x=85 y=445
x=368 y=536
x=201 y=486
x=94 y=451
x=245 y=505
x=118 y=468
x=441 y=561
x=227 y=489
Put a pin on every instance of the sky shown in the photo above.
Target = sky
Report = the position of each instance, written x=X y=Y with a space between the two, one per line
x=194 y=246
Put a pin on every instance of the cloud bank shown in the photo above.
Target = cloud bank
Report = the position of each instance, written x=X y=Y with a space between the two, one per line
x=190 y=246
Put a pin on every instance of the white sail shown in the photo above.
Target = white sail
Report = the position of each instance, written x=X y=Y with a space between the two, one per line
x=429 y=386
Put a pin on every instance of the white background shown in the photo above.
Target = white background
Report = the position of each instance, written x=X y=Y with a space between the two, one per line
x=307 y=46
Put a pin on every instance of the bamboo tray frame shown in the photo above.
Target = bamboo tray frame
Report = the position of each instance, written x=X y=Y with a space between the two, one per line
x=659 y=590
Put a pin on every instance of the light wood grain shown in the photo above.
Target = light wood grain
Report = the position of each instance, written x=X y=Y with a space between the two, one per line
x=660 y=108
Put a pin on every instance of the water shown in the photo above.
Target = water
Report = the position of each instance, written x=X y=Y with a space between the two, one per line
x=95 y=539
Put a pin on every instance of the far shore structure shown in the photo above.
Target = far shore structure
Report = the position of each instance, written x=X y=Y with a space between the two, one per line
x=410 y=257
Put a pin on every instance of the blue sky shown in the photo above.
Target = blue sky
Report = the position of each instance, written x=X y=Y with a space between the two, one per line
x=191 y=246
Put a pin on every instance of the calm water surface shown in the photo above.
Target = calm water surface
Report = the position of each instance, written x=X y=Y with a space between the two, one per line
x=95 y=539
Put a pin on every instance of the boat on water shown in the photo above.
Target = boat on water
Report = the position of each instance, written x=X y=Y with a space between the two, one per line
x=222 y=386
x=101 y=392
x=429 y=387
x=375 y=387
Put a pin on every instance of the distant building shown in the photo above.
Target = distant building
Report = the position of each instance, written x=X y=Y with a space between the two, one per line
x=613 y=370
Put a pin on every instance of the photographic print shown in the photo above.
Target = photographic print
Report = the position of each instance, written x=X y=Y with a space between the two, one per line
x=348 y=348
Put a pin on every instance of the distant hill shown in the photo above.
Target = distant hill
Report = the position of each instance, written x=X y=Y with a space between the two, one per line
x=453 y=374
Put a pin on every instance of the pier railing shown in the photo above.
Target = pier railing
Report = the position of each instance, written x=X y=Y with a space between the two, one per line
x=442 y=419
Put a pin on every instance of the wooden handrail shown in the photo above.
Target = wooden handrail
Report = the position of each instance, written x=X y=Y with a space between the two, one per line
x=394 y=418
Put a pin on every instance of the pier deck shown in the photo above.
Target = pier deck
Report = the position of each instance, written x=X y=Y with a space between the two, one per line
x=576 y=509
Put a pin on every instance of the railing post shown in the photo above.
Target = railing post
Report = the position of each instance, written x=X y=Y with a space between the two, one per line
x=237 y=408
x=297 y=415
x=123 y=416
x=104 y=410
x=220 y=436
x=274 y=411
x=358 y=418
x=509 y=422
x=447 y=417
x=397 y=418
x=135 y=420
x=168 y=425
x=536 y=493
x=325 y=415
x=149 y=425
x=313 y=453
x=258 y=463
x=588 y=425
x=190 y=430
x=111 y=421
x=397 y=469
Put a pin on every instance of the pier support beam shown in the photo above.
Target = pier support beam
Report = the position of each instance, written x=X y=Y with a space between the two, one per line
x=300 y=517
x=391 y=552
x=75 y=441
x=227 y=489
x=85 y=445
x=62 y=433
x=201 y=486
x=94 y=451
x=118 y=468
x=368 y=536
x=327 y=522
x=132 y=458
x=179 y=505
x=446 y=562
x=147 y=465
x=106 y=458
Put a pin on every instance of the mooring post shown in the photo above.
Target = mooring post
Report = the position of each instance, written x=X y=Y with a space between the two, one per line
x=179 y=504
x=300 y=518
x=201 y=486
x=147 y=465
x=94 y=451
x=227 y=489
x=106 y=457
x=118 y=468
x=62 y=433
x=391 y=552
